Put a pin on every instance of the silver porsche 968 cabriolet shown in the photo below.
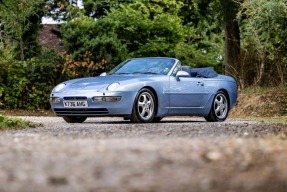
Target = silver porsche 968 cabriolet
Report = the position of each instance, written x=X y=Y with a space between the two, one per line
x=145 y=90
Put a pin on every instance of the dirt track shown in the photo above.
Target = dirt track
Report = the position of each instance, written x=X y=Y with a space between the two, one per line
x=179 y=154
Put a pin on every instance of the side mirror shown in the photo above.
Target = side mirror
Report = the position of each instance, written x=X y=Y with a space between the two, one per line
x=103 y=74
x=181 y=74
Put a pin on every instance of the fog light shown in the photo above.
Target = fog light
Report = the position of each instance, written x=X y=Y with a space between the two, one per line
x=106 y=99
x=55 y=99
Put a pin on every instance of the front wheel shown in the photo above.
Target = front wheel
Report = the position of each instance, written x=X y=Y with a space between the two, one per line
x=70 y=119
x=219 y=109
x=144 y=108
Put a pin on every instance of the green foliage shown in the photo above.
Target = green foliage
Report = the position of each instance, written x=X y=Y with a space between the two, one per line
x=124 y=28
x=142 y=28
x=58 y=8
x=263 y=34
x=100 y=8
x=83 y=35
x=205 y=41
x=27 y=84
x=263 y=23
x=14 y=123
x=5 y=59
x=191 y=30
x=21 y=20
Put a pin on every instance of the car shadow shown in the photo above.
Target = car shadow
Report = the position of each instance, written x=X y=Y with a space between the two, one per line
x=126 y=122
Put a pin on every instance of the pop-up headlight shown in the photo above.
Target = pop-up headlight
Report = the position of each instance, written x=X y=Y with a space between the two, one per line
x=113 y=87
x=59 y=87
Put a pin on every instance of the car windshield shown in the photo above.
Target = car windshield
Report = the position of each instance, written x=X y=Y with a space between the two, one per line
x=145 y=66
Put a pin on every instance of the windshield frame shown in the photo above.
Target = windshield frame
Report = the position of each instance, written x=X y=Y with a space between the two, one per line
x=146 y=65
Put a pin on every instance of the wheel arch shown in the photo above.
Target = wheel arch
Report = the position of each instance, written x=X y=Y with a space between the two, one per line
x=155 y=95
x=227 y=95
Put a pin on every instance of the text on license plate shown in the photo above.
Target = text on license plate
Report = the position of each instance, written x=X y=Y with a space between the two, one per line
x=75 y=104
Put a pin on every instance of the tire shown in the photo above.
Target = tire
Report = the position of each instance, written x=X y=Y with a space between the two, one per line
x=219 y=109
x=144 y=108
x=70 y=119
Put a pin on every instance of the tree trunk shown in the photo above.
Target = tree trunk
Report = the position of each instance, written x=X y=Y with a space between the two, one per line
x=232 y=48
x=232 y=38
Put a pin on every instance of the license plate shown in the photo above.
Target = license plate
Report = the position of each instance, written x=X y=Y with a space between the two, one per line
x=75 y=104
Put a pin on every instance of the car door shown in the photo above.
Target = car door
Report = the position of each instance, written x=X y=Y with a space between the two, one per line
x=187 y=92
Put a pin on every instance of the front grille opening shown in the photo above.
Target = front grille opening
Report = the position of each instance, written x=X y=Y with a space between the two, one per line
x=75 y=98
x=90 y=111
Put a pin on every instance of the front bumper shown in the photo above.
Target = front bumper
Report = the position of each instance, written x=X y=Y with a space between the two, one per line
x=123 y=107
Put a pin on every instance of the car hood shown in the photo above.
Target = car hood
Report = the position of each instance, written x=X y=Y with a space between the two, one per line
x=101 y=82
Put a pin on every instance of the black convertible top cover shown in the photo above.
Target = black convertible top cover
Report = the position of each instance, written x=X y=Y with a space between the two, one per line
x=207 y=72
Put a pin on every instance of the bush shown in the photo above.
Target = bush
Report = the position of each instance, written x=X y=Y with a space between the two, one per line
x=263 y=42
x=5 y=58
x=27 y=84
x=90 y=49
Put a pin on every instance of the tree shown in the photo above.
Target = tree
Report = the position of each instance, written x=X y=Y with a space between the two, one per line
x=205 y=43
x=263 y=26
x=60 y=9
x=148 y=28
x=215 y=17
x=132 y=30
x=232 y=37
x=21 y=21
x=100 y=8
x=92 y=47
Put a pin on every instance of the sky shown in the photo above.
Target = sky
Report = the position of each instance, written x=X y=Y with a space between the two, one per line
x=49 y=20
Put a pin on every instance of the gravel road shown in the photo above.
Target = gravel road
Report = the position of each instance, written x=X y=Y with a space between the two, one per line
x=176 y=155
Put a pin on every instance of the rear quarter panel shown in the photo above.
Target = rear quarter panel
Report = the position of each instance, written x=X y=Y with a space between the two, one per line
x=223 y=82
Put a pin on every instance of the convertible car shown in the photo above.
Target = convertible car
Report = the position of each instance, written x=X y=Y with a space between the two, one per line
x=145 y=90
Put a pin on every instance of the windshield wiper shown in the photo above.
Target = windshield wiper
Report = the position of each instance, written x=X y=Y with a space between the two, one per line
x=133 y=73
x=145 y=73
x=120 y=73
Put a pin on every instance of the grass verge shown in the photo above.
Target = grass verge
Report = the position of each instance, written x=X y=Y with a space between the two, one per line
x=262 y=103
x=19 y=112
x=15 y=123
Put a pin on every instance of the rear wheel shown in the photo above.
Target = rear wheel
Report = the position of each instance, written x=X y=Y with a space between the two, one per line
x=219 y=108
x=70 y=119
x=144 y=108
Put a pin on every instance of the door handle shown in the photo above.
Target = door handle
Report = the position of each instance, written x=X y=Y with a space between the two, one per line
x=200 y=84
